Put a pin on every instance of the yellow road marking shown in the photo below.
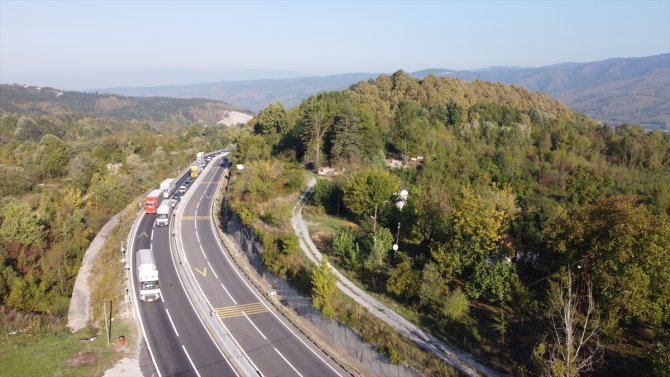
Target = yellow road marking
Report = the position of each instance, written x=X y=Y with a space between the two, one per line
x=239 y=310
x=195 y=217
x=203 y=272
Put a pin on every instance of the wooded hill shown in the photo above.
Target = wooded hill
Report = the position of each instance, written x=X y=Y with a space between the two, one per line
x=61 y=178
x=161 y=112
x=614 y=91
x=513 y=198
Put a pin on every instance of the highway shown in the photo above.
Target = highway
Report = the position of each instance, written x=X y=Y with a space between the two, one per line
x=177 y=340
x=273 y=347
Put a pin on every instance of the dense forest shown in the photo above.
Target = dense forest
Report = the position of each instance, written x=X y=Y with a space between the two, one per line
x=532 y=236
x=61 y=179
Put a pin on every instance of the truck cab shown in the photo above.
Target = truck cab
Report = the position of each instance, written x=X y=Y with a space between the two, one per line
x=163 y=214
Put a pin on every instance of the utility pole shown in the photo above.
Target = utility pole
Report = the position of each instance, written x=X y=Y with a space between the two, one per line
x=374 y=224
x=397 y=235
x=104 y=306
x=109 y=329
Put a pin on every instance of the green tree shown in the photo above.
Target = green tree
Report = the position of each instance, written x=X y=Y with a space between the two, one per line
x=433 y=287
x=345 y=246
x=623 y=250
x=492 y=279
x=345 y=142
x=583 y=186
x=271 y=119
x=323 y=288
x=27 y=128
x=52 y=156
x=456 y=305
x=409 y=125
x=367 y=189
x=404 y=280
x=380 y=246
x=80 y=170
x=315 y=126
x=479 y=220
x=252 y=148
x=455 y=112
x=327 y=194
x=20 y=224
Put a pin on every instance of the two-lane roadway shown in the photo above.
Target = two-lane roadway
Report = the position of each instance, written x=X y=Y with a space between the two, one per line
x=274 y=347
x=177 y=340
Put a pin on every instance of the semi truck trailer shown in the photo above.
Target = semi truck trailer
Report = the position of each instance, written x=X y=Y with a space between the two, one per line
x=147 y=276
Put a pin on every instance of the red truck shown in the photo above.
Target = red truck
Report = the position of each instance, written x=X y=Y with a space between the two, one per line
x=151 y=202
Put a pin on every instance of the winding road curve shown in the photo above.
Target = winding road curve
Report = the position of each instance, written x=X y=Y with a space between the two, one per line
x=461 y=360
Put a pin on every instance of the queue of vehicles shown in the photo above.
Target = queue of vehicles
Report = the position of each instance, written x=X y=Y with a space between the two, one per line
x=162 y=202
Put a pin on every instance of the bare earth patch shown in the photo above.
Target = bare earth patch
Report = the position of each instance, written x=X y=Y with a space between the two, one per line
x=83 y=358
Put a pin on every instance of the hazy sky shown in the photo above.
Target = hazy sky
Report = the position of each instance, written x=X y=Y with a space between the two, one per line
x=89 y=44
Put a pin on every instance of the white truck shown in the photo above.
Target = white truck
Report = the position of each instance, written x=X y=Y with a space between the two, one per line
x=147 y=276
x=163 y=214
x=167 y=186
x=200 y=158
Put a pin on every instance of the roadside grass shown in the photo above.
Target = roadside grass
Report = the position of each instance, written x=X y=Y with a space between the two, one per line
x=37 y=349
x=62 y=354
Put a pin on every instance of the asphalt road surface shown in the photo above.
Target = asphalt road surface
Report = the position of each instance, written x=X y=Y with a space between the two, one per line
x=176 y=337
x=272 y=345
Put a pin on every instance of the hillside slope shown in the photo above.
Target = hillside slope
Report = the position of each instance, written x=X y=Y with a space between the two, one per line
x=252 y=94
x=154 y=110
x=615 y=91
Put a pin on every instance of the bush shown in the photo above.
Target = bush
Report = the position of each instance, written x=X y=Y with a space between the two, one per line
x=326 y=194
x=456 y=305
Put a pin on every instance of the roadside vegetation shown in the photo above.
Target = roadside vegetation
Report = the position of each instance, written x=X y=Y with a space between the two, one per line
x=61 y=179
x=523 y=221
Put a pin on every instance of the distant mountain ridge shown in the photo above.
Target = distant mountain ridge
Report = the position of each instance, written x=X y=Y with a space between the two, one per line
x=614 y=91
x=252 y=94
x=154 y=110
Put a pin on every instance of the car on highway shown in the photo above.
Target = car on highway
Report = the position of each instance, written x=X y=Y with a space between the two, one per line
x=181 y=189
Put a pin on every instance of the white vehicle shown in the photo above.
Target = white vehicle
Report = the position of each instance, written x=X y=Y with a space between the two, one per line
x=147 y=276
x=167 y=186
x=200 y=158
x=163 y=214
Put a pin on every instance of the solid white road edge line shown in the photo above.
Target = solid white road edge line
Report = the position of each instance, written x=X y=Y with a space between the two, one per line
x=289 y=364
x=172 y=323
x=252 y=324
x=214 y=272
x=191 y=361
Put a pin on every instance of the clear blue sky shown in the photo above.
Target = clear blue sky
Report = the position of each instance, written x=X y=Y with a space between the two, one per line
x=88 y=44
